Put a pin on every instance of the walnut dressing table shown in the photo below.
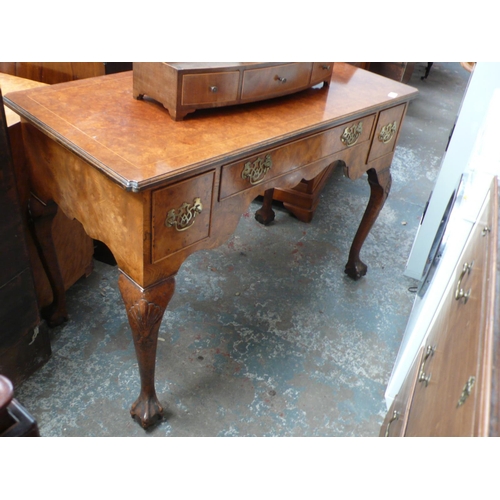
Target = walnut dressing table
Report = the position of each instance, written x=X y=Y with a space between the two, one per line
x=155 y=190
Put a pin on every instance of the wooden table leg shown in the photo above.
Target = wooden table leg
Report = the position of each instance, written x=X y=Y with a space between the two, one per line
x=145 y=309
x=42 y=215
x=380 y=185
x=265 y=215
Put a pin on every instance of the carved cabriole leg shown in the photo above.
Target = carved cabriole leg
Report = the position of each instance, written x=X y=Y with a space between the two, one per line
x=380 y=185
x=145 y=308
x=265 y=215
x=42 y=215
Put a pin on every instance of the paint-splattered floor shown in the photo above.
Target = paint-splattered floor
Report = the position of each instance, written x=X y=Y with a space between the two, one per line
x=266 y=335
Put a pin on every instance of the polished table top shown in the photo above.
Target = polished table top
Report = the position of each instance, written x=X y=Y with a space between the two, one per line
x=137 y=144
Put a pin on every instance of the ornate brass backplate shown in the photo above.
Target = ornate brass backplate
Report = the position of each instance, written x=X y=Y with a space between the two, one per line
x=184 y=217
x=387 y=132
x=351 y=134
x=256 y=170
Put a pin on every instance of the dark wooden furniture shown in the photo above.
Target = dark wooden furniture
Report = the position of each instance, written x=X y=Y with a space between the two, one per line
x=15 y=420
x=24 y=341
x=156 y=190
x=184 y=87
x=73 y=246
x=453 y=386
x=59 y=72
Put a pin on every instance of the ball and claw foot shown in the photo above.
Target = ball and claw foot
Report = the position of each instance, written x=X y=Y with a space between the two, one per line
x=264 y=217
x=355 y=270
x=147 y=411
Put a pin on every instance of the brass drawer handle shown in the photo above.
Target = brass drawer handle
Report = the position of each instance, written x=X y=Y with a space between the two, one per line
x=255 y=171
x=280 y=79
x=395 y=416
x=422 y=377
x=459 y=291
x=351 y=134
x=387 y=132
x=184 y=217
x=466 y=391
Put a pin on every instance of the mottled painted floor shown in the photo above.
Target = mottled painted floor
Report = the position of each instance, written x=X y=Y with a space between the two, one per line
x=266 y=335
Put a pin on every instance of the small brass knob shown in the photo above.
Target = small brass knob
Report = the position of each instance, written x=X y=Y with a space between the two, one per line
x=213 y=89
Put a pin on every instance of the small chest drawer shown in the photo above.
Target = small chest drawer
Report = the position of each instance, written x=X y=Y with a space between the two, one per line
x=181 y=215
x=265 y=82
x=386 y=132
x=321 y=71
x=208 y=88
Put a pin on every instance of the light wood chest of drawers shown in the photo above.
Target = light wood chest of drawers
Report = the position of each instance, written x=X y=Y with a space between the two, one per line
x=452 y=387
x=185 y=87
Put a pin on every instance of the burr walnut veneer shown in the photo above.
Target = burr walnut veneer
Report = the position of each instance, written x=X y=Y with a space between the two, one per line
x=155 y=190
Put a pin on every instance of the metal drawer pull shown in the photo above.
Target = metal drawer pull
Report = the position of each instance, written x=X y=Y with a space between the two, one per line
x=395 y=416
x=387 y=132
x=466 y=391
x=184 y=217
x=280 y=79
x=213 y=89
x=422 y=377
x=486 y=230
x=351 y=134
x=326 y=67
x=459 y=292
x=255 y=171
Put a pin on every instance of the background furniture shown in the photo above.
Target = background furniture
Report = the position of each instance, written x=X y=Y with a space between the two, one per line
x=452 y=386
x=24 y=341
x=58 y=72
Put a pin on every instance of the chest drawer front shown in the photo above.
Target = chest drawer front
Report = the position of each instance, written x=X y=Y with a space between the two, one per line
x=181 y=215
x=276 y=80
x=446 y=396
x=206 y=88
x=386 y=132
x=256 y=169
x=321 y=71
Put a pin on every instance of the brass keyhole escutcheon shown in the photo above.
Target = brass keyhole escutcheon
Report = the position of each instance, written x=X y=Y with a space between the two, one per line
x=184 y=217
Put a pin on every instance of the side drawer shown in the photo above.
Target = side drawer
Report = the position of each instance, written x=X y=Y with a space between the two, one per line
x=247 y=173
x=206 y=88
x=181 y=215
x=276 y=80
x=386 y=132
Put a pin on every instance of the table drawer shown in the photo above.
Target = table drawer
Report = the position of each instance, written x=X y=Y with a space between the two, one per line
x=386 y=132
x=181 y=215
x=265 y=82
x=256 y=169
x=208 y=88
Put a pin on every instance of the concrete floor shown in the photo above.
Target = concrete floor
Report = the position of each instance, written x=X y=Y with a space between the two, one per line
x=266 y=335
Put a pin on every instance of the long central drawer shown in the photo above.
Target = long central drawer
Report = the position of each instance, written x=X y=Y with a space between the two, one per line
x=256 y=169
